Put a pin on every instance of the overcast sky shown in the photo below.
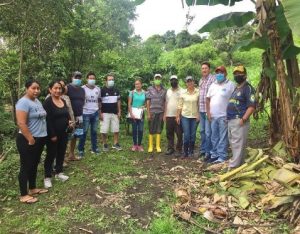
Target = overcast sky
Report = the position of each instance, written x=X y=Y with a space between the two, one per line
x=159 y=16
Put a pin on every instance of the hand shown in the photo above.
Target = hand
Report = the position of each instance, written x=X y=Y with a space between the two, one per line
x=209 y=117
x=241 y=122
x=31 y=141
x=198 y=118
x=54 y=139
x=149 y=116
x=178 y=120
x=132 y=116
x=71 y=124
x=101 y=116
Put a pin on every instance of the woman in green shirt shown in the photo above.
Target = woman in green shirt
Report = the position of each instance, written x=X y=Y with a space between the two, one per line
x=136 y=104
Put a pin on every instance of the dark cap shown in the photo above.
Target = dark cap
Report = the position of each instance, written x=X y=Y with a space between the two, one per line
x=221 y=69
x=77 y=74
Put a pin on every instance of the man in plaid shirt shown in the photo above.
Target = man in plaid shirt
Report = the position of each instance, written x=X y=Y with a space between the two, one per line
x=205 y=129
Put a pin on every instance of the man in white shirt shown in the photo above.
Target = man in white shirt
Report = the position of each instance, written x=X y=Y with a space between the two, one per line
x=172 y=98
x=217 y=99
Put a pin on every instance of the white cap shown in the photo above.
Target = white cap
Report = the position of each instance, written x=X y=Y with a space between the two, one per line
x=157 y=75
x=173 y=77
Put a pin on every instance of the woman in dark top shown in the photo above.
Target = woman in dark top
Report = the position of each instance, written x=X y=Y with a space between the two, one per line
x=57 y=123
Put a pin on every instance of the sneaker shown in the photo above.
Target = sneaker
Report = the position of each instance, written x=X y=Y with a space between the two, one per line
x=97 y=151
x=212 y=160
x=105 y=148
x=219 y=161
x=47 y=183
x=134 y=148
x=140 y=148
x=61 y=177
x=170 y=151
x=80 y=154
x=117 y=147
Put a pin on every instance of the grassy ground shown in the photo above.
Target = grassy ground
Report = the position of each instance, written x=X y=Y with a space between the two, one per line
x=116 y=192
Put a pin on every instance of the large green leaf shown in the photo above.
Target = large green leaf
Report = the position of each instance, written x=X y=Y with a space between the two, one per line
x=238 y=19
x=292 y=14
x=211 y=2
x=248 y=44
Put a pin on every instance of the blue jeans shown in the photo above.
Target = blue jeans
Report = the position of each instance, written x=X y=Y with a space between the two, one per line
x=137 y=131
x=93 y=121
x=219 y=138
x=189 y=127
x=205 y=134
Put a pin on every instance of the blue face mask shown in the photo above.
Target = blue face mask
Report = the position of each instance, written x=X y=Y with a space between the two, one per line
x=92 y=82
x=220 y=77
x=76 y=82
x=110 y=83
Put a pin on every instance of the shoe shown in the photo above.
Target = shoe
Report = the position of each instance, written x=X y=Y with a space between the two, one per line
x=201 y=154
x=97 y=151
x=212 y=160
x=105 y=148
x=47 y=183
x=170 y=151
x=140 y=148
x=80 y=154
x=150 y=148
x=219 y=161
x=61 y=177
x=158 y=149
x=134 y=148
x=65 y=164
x=117 y=147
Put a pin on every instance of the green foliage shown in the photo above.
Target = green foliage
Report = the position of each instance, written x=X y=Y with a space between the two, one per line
x=291 y=11
x=211 y=3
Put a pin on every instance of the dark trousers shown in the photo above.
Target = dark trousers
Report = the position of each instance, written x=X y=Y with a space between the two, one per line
x=172 y=129
x=55 y=151
x=30 y=156
x=137 y=131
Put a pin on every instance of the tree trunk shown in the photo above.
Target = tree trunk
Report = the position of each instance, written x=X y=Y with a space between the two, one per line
x=20 y=64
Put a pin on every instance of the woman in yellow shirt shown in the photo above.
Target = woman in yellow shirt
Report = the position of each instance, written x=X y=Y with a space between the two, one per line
x=188 y=114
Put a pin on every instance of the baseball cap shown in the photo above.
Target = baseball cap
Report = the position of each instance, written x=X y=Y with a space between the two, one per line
x=157 y=75
x=77 y=74
x=221 y=69
x=189 y=78
x=240 y=68
x=173 y=77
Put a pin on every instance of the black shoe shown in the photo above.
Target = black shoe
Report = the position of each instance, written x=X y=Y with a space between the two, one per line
x=212 y=160
x=202 y=155
x=170 y=151
x=206 y=158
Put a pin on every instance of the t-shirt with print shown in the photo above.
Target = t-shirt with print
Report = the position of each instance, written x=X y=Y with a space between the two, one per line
x=219 y=95
x=109 y=100
x=77 y=97
x=157 y=99
x=172 y=98
x=138 y=98
x=240 y=100
x=36 y=116
x=92 y=98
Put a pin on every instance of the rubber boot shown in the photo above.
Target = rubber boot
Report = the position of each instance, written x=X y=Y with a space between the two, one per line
x=150 y=147
x=158 y=149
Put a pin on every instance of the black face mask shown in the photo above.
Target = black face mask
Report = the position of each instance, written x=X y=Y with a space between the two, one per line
x=174 y=83
x=239 y=78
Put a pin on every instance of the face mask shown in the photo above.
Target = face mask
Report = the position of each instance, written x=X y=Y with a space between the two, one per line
x=174 y=83
x=76 y=82
x=91 y=82
x=157 y=82
x=110 y=83
x=220 y=77
x=239 y=79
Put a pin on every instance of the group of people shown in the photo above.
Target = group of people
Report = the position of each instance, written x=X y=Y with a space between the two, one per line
x=69 y=111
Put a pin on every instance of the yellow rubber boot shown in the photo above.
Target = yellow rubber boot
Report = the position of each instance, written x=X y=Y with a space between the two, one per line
x=158 y=149
x=150 y=147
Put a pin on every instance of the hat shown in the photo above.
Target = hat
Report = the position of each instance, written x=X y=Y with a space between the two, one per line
x=221 y=69
x=77 y=73
x=240 y=68
x=189 y=78
x=157 y=75
x=174 y=77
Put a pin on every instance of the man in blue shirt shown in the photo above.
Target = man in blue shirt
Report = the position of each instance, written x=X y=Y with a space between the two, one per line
x=241 y=106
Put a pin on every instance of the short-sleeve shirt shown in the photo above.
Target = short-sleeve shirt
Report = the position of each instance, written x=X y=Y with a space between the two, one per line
x=157 y=99
x=109 y=100
x=219 y=95
x=77 y=97
x=172 y=98
x=138 y=98
x=240 y=100
x=36 y=116
x=92 y=97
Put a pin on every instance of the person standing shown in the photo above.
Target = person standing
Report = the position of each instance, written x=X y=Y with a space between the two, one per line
x=241 y=106
x=205 y=128
x=137 y=99
x=58 y=120
x=216 y=106
x=31 y=120
x=188 y=114
x=172 y=127
x=90 y=113
x=110 y=113
x=77 y=96
x=156 y=97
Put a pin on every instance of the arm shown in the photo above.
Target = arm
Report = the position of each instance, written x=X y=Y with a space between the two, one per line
x=148 y=110
x=208 y=108
x=179 y=110
x=130 y=106
x=22 y=124
x=165 y=111
x=247 y=115
x=119 y=108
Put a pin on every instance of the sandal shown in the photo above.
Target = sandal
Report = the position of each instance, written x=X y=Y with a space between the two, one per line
x=37 y=191
x=28 y=199
x=73 y=159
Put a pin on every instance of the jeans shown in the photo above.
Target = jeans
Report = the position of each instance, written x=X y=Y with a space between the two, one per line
x=205 y=134
x=189 y=126
x=219 y=138
x=173 y=128
x=93 y=120
x=137 y=131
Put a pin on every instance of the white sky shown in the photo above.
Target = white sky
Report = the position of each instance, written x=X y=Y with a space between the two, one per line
x=159 y=16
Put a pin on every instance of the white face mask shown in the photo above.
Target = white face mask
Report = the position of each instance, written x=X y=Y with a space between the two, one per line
x=92 y=82
x=110 y=83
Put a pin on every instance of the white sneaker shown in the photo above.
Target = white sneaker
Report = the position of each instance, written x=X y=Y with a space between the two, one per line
x=47 y=183
x=61 y=177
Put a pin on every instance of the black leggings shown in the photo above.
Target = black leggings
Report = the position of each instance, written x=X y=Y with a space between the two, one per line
x=55 y=151
x=30 y=156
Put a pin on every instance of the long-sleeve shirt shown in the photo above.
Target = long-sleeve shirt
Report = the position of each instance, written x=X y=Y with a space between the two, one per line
x=57 y=118
x=188 y=104
x=204 y=85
